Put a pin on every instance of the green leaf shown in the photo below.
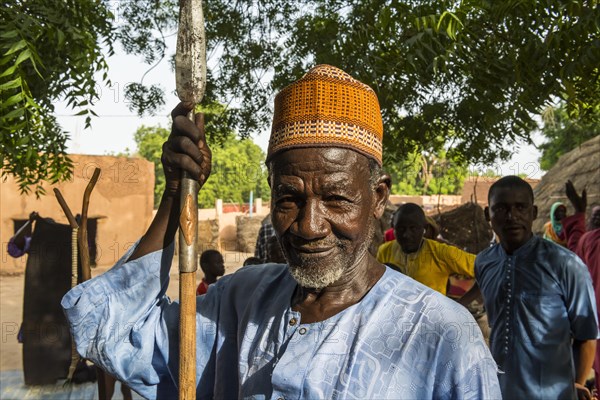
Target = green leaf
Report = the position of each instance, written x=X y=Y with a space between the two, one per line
x=24 y=55
x=16 y=47
x=15 y=83
x=61 y=37
x=13 y=100
x=8 y=71
x=23 y=141
x=19 y=112
x=11 y=34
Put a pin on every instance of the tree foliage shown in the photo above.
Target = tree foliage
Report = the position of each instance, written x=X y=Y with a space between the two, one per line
x=238 y=166
x=49 y=50
x=427 y=174
x=563 y=134
x=475 y=72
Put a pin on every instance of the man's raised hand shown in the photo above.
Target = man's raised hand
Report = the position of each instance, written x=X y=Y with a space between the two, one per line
x=185 y=149
x=578 y=202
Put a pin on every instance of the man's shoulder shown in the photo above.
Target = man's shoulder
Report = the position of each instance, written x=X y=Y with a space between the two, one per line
x=434 y=244
x=553 y=252
x=257 y=273
x=246 y=280
x=421 y=298
x=440 y=248
x=387 y=245
x=592 y=236
x=487 y=256
x=385 y=252
x=555 y=259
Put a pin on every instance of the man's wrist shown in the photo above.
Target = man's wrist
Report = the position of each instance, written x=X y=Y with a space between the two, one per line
x=172 y=190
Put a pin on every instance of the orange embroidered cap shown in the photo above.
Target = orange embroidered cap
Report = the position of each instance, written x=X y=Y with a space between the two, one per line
x=327 y=108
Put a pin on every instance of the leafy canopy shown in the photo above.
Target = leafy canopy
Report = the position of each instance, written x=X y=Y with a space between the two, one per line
x=238 y=165
x=427 y=174
x=49 y=50
x=473 y=72
x=563 y=134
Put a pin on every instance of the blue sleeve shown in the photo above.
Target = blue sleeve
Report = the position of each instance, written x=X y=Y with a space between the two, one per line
x=124 y=322
x=580 y=299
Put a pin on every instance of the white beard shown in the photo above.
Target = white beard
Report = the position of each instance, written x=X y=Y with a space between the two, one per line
x=311 y=273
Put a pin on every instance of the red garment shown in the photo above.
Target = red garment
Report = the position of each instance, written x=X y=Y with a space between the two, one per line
x=587 y=246
x=388 y=236
x=202 y=288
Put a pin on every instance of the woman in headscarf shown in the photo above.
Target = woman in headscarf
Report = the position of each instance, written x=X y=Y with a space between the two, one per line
x=553 y=229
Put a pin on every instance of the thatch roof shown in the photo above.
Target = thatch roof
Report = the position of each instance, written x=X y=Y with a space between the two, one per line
x=582 y=166
x=466 y=227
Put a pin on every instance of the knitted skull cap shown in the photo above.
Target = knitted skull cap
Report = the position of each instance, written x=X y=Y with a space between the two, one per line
x=327 y=108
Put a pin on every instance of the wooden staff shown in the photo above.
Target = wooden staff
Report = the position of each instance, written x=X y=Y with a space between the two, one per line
x=86 y=271
x=79 y=236
x=190 y=74
x=74 y=276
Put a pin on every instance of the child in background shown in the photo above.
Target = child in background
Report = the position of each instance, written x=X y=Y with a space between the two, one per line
x=213 y=266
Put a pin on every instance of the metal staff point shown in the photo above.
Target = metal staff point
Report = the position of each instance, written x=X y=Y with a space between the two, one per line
x=190 y=74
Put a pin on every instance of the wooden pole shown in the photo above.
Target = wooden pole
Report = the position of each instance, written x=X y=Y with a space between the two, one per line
x=79 y=236
x=86 y=271
x=190 y=74
x=74 y=276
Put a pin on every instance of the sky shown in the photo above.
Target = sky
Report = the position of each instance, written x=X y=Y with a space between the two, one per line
x=112 y=131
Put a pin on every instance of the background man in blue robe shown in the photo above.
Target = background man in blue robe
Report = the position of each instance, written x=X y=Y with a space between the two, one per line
x=540 y=302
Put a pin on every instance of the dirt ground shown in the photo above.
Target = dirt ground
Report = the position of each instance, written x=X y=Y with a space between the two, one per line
x=11 y=306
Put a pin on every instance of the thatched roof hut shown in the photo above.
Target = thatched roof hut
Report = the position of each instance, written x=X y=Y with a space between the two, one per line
x=465 y=227
x=582 y=167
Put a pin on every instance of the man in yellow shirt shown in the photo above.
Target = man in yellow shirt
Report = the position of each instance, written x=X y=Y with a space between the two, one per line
x=426 y=261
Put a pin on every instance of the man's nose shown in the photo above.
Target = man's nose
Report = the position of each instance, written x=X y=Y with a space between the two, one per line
x=510 y=213
x=311 y=222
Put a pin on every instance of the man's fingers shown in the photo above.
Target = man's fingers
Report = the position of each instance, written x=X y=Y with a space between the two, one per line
x=182 y=161
x=182 y=126
x=569 y=188
x=182 y=144
x=182 y=109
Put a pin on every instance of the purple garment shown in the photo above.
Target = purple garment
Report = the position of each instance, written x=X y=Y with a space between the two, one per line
x=14 y=250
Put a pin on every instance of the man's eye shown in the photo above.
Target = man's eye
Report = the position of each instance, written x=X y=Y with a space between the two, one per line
x=336 y=198
x=285 y=202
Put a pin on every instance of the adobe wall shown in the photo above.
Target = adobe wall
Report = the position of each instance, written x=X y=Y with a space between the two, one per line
x=475 y=189
x=122 y=198
x=427 y=202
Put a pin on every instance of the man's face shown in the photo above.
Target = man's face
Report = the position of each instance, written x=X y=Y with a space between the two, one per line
x=216 y=265
x=511 y=212
x=323 y=209
x=409 y=230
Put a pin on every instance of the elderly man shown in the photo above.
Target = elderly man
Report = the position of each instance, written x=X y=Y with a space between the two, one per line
x=540 y=303
x=333 y=323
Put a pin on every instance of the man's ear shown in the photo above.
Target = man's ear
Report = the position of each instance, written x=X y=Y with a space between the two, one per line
x=486 y=212
x=535 y=212
x=382 y=194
